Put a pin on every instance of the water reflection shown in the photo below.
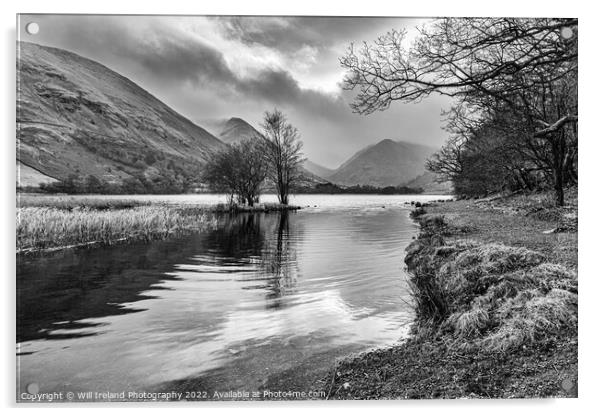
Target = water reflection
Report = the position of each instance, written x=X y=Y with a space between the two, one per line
x=239 y=237
x=280 y=262
x=260 y=296
x=57 y=293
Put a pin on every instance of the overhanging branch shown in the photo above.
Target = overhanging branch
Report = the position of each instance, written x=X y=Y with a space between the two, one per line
x=552 y=128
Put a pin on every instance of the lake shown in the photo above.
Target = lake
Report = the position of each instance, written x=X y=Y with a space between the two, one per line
x=261 y=301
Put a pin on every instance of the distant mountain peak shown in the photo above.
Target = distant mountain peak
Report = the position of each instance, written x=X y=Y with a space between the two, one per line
x=385 y=163
x=233 y=130
x=387 y=141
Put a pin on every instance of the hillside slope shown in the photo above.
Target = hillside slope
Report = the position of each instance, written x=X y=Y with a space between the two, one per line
x=429 y=184
x=317 y=169
x=386 y=163
x=77 y=117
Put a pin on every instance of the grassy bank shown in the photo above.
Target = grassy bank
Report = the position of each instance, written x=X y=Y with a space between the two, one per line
x=43 y=228
x=52 y=222
x=495 y=292
x=98 y=203
x=70 y=202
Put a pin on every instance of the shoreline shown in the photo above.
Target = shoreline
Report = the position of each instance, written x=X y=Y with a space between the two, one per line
x=44 y=229
x=463 y=351
x=518 y=244
x=35 y=236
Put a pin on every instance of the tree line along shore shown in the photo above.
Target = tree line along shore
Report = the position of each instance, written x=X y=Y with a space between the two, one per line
x=494 y=285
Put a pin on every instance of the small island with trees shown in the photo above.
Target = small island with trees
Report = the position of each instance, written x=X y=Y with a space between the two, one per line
x=242 y=169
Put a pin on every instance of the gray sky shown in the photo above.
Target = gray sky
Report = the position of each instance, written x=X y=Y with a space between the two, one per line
x=219 y=67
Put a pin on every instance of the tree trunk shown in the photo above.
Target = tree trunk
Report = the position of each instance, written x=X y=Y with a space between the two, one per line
x=559 y=187
x=559 y=180
x=558 y=154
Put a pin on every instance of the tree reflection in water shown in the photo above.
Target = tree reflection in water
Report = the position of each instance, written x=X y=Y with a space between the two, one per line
x=240 y=238
x=280 y=262
x=264 y=240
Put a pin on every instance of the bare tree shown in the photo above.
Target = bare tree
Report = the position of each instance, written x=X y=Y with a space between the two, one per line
x=447 y=162
x=283 y=152
x=238 y=169
x=523 y=68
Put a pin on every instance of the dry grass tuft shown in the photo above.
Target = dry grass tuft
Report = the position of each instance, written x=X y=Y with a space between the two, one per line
x=490 y=296
x=503 y=297
x=554 y=276
x=525 y=320
x=498 y=258
x=77 y=202
x=43 y=227
x=469 y=323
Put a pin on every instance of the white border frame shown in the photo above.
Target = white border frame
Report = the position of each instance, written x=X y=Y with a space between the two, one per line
x=589 y=200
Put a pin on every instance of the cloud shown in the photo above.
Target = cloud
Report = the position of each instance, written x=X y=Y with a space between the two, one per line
x=181 y=59
x=278 y=87
x=218 y=67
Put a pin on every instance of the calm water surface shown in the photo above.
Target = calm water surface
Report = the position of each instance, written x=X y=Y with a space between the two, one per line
x=261 y=301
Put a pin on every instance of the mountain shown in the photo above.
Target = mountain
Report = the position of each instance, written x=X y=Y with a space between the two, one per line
x=386 y=163
x=428 y=182
x=27 y=176
x=78 y=118
x=318 y=170
x=233 y=130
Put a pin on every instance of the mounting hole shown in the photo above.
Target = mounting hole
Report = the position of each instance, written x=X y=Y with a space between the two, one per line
x=567 y=385
x=32 y=28
x=566 y=32
x=33 y=388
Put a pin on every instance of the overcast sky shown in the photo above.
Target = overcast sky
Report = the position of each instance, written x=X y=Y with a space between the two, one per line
x=220 y=67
